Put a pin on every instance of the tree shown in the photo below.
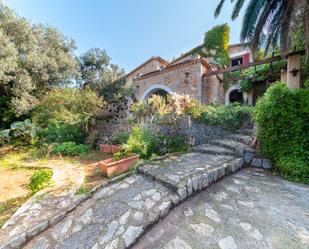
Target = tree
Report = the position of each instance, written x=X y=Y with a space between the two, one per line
x=270 y=21
x=33 y=59
x=98 y=73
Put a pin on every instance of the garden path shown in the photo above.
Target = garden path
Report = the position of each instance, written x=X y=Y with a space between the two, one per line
x=250 y=209
x=47 y=206
x=117 y=215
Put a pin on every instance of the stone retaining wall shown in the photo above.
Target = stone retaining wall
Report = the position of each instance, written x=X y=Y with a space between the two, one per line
x=184 y=126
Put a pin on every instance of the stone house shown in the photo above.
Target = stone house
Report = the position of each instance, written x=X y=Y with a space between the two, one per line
x=186 y=75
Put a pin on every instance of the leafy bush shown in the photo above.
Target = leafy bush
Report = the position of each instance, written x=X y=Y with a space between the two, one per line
x=20 y=131
x=120 y=138
x=119 y=155
x=177 y=144
x=142 y=141
x=63 y=114
x=4 y=137
x=71 y=149
x=58 y=132
x=282 y=115
x=229 y=117
x=294 y=168
x=40 y=179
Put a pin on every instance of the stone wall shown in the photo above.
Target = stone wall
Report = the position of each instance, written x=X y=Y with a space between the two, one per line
x=112 y=120
x=186 y=79
x=152 y=65
x=195 y=133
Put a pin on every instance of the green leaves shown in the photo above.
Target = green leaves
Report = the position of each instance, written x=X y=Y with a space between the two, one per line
x=282 y=115
x=39 y=180
x=33 y=58
x=217 y=39
x=71 y=149
x=23 y=131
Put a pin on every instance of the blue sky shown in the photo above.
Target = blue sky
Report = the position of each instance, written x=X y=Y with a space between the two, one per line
x=130 y=31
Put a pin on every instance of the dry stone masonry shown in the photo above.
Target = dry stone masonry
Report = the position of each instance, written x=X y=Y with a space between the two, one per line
x=117 y=215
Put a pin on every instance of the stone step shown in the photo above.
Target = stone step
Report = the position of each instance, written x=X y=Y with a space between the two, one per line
x=245 y=139
x=214 y=150
x=191 y=172
x=115 y=217
x=248 y=132
x=230 y=144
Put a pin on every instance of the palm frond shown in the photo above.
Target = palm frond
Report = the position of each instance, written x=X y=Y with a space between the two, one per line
x=237 y=8
x=267 y=13
x=286 y=24
x=250 y=18
x=219 y=8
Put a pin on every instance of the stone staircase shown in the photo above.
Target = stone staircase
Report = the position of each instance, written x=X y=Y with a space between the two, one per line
x=116 y=215
x=207 y=163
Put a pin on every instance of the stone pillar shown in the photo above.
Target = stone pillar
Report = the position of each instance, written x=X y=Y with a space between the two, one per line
x=283 y=76
x=248 y=97
x=293 y=71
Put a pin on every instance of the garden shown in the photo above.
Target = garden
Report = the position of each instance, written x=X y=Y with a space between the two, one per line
x=51 y=99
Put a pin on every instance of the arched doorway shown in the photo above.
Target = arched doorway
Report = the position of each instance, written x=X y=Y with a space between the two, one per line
x=159 y=92
x=156 y=90
x=233 y=94
x=236 y=96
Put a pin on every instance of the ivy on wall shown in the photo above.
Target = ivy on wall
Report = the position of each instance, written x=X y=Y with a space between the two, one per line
x=215 y=45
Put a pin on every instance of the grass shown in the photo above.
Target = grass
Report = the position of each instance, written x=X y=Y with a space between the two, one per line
x=9 y=207
x=19 y=164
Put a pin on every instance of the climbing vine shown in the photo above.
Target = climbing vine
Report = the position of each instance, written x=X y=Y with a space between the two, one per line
x=262 y=73
x=215 y=45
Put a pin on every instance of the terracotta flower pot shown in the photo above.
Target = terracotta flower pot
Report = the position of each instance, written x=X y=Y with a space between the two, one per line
x=111 y=167
x=106 y=148
x=116 y=148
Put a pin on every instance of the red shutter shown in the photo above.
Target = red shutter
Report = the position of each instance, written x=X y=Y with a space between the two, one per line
x=246 y=59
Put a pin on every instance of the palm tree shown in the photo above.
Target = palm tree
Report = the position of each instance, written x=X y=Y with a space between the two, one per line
x=268 y=21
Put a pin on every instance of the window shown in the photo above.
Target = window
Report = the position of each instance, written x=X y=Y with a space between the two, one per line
x=236 y=61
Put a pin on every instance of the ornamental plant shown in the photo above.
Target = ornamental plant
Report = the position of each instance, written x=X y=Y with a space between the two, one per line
x=282 y=115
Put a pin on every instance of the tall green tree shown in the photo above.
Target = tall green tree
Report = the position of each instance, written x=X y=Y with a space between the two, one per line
x=271 y=21
x=33 y=60
x=98 y=73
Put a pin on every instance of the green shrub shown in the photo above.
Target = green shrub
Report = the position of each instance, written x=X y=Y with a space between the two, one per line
x=39 y=180
x=120 y=155
x=62 y=132
x=71 y=149
x=294 y=168
x=4 y=137
x=22 y=132
x=229 y=117
x=177 y=144
x=282 y=115
x=120 y=138
x=142 y=141
x=63 y=115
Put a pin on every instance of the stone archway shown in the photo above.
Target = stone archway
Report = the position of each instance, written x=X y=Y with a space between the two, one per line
x=157 y=89
x=233 y=94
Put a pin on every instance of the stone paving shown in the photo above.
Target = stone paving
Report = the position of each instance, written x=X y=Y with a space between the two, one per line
x=118 y=214
x=191 y=172
x=113 y=218
x=46 y=207
x=250 y=209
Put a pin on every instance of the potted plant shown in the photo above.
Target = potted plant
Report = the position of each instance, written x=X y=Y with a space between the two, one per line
x=120 y=163
x=106 y=148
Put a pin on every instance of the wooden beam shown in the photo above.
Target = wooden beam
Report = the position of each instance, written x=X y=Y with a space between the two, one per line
x=253 y=64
